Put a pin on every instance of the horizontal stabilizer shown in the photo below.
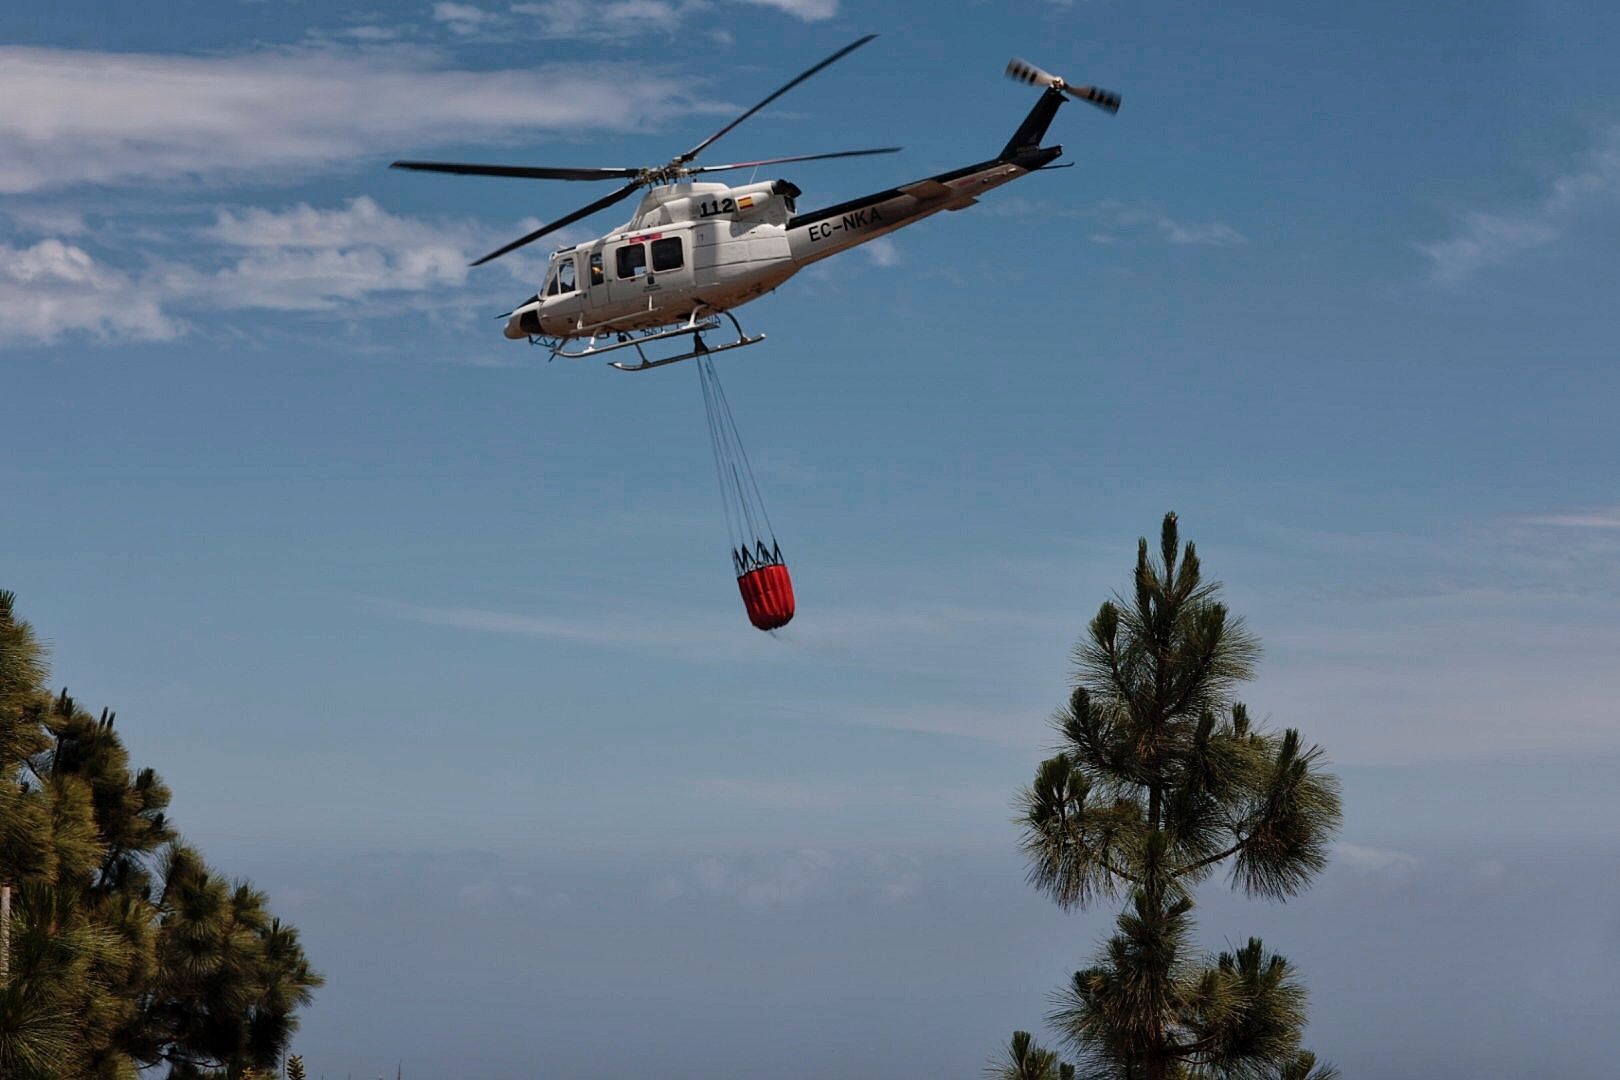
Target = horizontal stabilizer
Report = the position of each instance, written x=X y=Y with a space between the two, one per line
x=934 y=191
x=927 y=189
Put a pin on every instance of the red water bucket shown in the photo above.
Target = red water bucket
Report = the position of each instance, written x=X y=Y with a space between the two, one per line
x=767 y=593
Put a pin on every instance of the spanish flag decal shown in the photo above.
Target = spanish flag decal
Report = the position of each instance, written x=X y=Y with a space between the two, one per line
x=745 y=203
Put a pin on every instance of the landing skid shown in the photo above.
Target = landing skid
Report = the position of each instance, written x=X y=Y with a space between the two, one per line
x=699 y=346
x=697 y=324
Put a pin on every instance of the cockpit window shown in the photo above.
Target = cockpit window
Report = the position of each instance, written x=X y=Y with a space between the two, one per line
x=565 y=276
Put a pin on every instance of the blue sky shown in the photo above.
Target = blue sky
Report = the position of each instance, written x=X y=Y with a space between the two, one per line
x=437 y=642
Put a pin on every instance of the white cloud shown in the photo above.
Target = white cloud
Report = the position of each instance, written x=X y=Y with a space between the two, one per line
x=712 y=632
x=463 y=18
x=899 y=890
x=1132 y=220
x=611 y=19
x=814 y=796
x=628 y=631
x=309 y=259
x=54 y=288
x=361 y=221
x=372 y=34
x=808 y=10
x=790 y=878
x=1215 y=232
x=1212 y=233
x=882 y=252
x=49 y=220
x=298 y=259
x=1592 y=519
x=767 y=882
x=667 y=888
x=617 y=20
x=1013 y=726
x=1458 y=643
x=1375 y=860
x=1494 y=239
x=104 y=118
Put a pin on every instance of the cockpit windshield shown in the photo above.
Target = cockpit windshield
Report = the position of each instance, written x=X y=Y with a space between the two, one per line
x=562 y=277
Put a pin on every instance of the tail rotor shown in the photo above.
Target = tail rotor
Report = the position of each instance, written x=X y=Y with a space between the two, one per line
x=1025 y=72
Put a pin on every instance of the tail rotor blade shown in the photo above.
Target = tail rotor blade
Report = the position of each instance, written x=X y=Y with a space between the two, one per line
x=1106 y=100
x=1026 y=72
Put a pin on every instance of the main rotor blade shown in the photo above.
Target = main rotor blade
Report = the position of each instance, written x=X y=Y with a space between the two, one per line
x=796 y=157
x=564 y=222
x=525 y=172
x=839 y=55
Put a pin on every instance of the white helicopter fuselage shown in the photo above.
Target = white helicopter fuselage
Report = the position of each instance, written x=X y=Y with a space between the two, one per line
x=709 y=247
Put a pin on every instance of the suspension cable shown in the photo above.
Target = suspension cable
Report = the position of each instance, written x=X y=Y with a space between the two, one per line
x=748 y=525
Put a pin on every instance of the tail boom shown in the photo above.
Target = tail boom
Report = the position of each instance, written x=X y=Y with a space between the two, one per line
x=817 y=234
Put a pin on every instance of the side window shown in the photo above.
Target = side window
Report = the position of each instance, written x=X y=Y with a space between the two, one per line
x=565 y=275
x=666 y=254
x=632 y=261
x=551 y=284
x=596 y=268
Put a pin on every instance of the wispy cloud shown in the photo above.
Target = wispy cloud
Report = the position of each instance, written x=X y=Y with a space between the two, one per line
x=1127 y=218
x=617 y=20
x=813 y=795
x=1014 y=725
x=1115 y=222
x=882 y=252
x=627 y=632
x=1374 y=860
x=606 y=20
x=1459 y=642
x=48 y=220
x=792 y=878
x=1590 y=519
x=808 y=10
x=463 y=18
x=767 y=882
x=1485 y=239
x=114 y=118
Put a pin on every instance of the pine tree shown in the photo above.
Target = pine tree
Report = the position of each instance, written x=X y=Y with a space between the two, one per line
x=295 y=1068
x=127 y=950
x=1163 y=779
x=1024 y=1059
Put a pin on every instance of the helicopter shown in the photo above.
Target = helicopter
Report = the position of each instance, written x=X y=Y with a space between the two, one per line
x=694 y=250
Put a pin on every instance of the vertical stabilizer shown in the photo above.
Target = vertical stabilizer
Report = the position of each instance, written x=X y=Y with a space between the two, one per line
x=1033 y=129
